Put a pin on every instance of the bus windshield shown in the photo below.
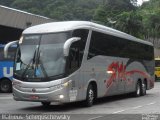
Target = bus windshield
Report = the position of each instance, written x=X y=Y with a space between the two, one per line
x=41 y=56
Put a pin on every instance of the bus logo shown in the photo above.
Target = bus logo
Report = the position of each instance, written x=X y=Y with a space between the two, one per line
x=8 y=72
x=33 y=90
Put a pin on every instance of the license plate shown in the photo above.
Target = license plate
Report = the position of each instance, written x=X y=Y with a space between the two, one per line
x=34 y=97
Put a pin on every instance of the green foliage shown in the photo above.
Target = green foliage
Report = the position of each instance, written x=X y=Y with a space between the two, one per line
x=130 y=22
x=140 y=21
x=151 y=18
x=6 y=2
x=57 y=9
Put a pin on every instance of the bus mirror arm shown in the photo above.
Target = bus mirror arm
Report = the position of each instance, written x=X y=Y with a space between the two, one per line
x=68 y=43
x=7 y=46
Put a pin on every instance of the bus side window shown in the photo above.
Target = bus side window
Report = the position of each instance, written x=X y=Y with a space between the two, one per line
x=77 y=50
x=74 y=57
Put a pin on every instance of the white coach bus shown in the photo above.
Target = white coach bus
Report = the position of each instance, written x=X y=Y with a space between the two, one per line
x=80 y=61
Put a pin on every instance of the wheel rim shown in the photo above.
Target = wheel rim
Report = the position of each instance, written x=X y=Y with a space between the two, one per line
x=91 y=96
x=144 y=89
x=138 y=90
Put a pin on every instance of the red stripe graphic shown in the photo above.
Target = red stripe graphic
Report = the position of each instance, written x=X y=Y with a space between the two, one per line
x=118 y=72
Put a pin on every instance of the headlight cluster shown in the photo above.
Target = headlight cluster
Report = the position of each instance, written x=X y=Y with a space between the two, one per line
x=60 y=86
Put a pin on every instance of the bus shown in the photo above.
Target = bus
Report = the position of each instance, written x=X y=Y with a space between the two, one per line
x=157 y=68
x=6 y=68
x=71 y=61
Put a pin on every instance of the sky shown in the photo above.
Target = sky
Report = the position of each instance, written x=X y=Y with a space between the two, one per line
x=141 y=1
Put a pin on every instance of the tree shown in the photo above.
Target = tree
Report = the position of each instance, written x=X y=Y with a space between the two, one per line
x=6 y=2
x=109 y=13
x=131 y=23
x=140 y=21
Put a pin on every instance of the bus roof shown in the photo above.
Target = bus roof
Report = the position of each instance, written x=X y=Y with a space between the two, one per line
x=72 y=25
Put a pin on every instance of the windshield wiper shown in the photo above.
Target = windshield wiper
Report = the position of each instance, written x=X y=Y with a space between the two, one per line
x=38 y=61
x=31 y=61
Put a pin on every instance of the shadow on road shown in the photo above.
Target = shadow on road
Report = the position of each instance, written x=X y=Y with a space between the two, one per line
x=77 y=105
x=53 y=108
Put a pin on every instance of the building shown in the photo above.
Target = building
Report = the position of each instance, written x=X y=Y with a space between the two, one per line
x=13 y=22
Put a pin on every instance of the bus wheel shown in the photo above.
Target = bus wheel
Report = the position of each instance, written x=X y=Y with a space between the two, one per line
x=90 y=96
x=5 y=86
x=137 y=93
x=46 y=103
x=143 y=89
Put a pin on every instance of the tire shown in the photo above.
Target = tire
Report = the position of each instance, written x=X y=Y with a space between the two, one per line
x=5 y=86
x=137 y=93
x=90 y=96
x=46 y=103
x=143 y=89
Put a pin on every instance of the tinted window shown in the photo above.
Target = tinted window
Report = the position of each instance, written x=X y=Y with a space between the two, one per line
x=77 y=50
x=11 y=53
x=107 y=45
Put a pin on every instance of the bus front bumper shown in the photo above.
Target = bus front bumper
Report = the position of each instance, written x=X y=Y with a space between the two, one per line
x=58 y=96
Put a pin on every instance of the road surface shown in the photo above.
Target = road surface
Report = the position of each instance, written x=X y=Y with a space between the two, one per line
x=111 y=108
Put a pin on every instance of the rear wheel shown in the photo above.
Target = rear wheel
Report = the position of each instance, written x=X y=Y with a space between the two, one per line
x=90 y=96
x=5 y=86
x=143 y=89
x=137 y=93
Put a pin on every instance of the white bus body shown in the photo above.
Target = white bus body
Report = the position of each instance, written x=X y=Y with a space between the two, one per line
x=77 y=60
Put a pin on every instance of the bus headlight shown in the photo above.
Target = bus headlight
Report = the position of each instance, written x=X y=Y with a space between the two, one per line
x=66 y=84
x=60 y=86
x=61 y=96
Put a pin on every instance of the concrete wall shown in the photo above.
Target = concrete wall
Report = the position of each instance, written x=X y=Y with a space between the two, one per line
x=13 y=22
x=20 y=19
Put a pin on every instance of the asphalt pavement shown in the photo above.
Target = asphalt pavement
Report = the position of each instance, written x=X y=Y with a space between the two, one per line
x=123 y=107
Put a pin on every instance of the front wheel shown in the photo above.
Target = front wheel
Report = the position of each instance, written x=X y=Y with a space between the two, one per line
x=90 y=96
x=5 y=86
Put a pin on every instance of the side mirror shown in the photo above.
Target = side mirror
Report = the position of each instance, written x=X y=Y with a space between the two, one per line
x=68 y=43
x=7 y=46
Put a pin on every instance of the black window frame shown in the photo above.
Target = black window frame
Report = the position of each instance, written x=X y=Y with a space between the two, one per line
x=81 y=45
x=110 y=45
